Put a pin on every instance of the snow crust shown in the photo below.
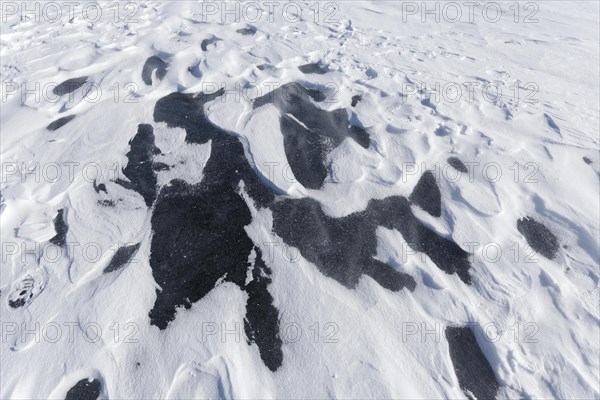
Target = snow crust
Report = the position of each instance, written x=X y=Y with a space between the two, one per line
x=337 y=342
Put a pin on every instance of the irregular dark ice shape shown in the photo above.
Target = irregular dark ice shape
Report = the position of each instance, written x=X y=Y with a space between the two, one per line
x=343 y=248
x=427 y=195
x=355 y=100
x=69 y=86
x=475 y=375
x=139 y=171
x=154 y=63
x=262 y=318
x=229 y=164
x=587 y=160
x=308 y=142
x=442 y=131
x=207 y=42
x=247 y=31
x=199 y=235
x=540 y=238
x=122 y=257
x=23 y=293
x=99 y=188
x=457 y=164
x=395 y=213
x=85 y=389
x=312 y=68
x=61 y=228
x=59 y=123
x=187 y=111
x=209 y=218
x=306 y=152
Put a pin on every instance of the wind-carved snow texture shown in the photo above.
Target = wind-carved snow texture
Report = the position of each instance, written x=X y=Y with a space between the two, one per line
x=154 y=63
x=69 y=86
x=475 y=375
x=540 y=238
x=309 y=132
x=139 y=170
x=85 y=390
x=427 y=195
x=59 y=123
x=122 y=257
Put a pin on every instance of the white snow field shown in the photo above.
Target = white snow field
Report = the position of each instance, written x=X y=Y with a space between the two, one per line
x=281 y=237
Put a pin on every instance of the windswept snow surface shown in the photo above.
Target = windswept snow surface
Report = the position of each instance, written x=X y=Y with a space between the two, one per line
x=329 y=200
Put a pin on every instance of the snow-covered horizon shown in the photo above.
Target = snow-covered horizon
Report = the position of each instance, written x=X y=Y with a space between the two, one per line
x=299 y=199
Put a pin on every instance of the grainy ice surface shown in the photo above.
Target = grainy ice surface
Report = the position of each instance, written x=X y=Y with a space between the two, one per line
x=299 y=200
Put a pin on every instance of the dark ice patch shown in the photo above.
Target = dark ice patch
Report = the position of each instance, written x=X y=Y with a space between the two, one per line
x=209 y=217
x=99 y=188
x=540 y=238
x=227 y=164
x=395 y=213
x=442 y=131
x=551 y=123
x=18 y=303
x=59 y=123
x=61 y=228
x=151 y=64
x=306 y=152
x=312 y=68
x=122 y=257
x=587 y=160
x=160 y=166
x=427 y=195
x=207 y=42
x=139 y=171
x=266 y=66
x=475 y=375
x=308 y=142
x=343 y=248
x=85 y=389
x=187 y=111
x=247 y=31
x=262 y=318
x=355 y=100
x=69 y=86
x=25 y=290
x=198 y=230
x=209 y=220
x=198 y=239
x=458 y=165
x=106 y=203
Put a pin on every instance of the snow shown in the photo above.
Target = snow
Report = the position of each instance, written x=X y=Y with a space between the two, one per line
x=365 y=342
